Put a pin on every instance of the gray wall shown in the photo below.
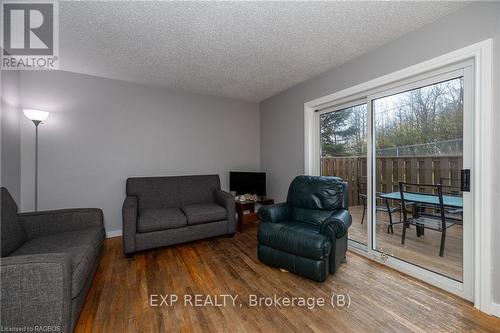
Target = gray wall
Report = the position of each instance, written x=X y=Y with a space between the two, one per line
x=10 y=166
x=282 y=116
x=101 y=131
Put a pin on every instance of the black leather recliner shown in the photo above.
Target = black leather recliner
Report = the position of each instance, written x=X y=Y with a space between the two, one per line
x=307 y=235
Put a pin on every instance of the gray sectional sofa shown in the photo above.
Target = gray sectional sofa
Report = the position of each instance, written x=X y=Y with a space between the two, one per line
x=161 y=211
x=48 y=262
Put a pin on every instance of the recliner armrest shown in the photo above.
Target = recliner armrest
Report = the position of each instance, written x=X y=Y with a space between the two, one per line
x=337 y=224
x=37 y=224
x=36 y=291
x=129 y=223
x=275 y=213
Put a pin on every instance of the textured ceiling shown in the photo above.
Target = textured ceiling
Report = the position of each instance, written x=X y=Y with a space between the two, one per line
x=245 y=50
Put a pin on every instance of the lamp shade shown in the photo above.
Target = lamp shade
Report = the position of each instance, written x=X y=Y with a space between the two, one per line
x=35 y=115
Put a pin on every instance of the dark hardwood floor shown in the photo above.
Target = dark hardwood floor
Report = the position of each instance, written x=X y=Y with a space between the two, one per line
x=381 y=299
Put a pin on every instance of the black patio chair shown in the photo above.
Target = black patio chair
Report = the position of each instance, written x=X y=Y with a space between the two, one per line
x=382 y=203
x=425 y=217
x=451 y=187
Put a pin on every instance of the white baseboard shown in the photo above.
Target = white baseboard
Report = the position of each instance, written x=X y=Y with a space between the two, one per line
x=113 y=233
x=495 y=309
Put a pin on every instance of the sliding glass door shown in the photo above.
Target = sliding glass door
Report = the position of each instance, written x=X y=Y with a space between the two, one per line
x=419 y=136
x=406 y=152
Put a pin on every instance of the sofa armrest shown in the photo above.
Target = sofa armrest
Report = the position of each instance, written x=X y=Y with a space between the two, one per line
x=49 y=222
x=129 y=223
x=226 y=200
x=275 y=213
x=337 y=224
x=36 y=291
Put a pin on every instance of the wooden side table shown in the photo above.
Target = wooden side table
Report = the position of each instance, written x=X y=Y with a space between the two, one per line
x=242 y=206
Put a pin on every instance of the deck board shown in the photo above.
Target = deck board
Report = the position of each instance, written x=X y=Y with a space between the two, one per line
x=423 y=251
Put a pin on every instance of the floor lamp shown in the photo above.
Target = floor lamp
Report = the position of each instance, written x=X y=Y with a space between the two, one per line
x=36 y=116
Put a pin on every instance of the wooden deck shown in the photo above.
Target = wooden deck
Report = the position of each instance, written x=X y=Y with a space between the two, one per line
x=423 y=251
x=382 y=300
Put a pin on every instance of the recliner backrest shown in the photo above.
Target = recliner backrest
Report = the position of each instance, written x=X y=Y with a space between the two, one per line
x=315 y=198
x=345 y=195
x=314 y=216
x=13 y=234
x=316 y=192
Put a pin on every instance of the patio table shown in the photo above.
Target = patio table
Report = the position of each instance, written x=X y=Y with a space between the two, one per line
x=448 y=200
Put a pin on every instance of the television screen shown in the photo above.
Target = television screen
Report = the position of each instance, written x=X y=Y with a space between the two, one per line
x=248 y=182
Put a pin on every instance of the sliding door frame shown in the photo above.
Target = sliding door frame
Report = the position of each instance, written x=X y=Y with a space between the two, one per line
x=480 y=55
x=339 y=108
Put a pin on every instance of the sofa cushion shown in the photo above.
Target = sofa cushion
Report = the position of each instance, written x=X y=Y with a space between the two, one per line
x=198 y=189
x=13 y=235
x=301 y=239
x=204 y=212
x=160 y=219
x=83 y=246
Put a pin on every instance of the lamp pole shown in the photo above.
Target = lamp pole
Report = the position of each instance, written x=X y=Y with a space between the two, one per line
x=36 y=122
x=36 y=116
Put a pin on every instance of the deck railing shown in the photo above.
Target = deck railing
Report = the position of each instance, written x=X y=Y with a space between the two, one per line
x=392 y=169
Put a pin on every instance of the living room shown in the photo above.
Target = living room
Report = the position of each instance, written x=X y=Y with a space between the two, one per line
x=250 y=166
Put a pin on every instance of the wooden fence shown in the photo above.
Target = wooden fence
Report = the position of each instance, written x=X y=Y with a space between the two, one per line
x=391 y=170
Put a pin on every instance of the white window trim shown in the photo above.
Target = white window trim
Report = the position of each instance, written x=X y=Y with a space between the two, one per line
x=481 y=53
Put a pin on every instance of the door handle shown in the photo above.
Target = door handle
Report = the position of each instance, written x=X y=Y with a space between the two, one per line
x=465 y=180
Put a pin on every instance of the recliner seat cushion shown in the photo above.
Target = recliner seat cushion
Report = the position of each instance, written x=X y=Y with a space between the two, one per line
x=160 y=219
x=83 y=246
x=204 y=212
x=301 y=239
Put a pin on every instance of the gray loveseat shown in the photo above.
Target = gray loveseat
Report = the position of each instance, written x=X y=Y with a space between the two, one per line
x=48 y=262
x=161 y=211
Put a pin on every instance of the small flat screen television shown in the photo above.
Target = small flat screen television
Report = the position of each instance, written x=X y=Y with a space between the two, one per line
x=248 y=182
